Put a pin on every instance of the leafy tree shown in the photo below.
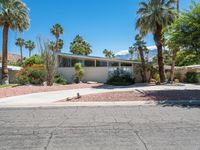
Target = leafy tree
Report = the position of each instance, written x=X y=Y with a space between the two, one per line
x=79 y=46
x=184 y=35
x=140 y=46
x=186 y=30
x=153 y=17
x=185 y=58
x=30 y=45
x=108 y=54
x=14 y=16
x=21 y=43
x=57 y=30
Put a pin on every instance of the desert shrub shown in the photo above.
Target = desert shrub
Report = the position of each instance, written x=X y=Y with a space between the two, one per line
x=192 y=77
x=60 y=80
x=36 y=59
x=154 y=74
x=79 y=73
x=36 y=77
x=30 y=76
x=120 y=77
x=22 y=77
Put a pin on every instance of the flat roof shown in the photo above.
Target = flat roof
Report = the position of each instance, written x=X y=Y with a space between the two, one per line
x=95 y=58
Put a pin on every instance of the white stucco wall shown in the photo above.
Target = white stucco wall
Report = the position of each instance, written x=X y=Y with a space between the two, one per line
x=98 y=74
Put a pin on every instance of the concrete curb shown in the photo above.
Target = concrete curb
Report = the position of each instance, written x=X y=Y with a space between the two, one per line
x=108 y=104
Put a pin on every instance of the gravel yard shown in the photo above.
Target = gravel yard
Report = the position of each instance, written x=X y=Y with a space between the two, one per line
x=20 y=90
x=141 y=96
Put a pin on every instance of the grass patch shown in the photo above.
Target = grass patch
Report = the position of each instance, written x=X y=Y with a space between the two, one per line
x=9 y=85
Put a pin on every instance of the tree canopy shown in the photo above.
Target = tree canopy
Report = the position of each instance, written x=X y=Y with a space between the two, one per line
x=80 y=47
x=186 y=30
x=108 y=54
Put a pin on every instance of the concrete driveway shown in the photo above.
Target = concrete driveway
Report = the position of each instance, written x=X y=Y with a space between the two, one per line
x=100 y=128
x=46 y=98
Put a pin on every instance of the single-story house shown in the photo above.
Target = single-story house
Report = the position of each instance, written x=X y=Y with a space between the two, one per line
x=96 y=69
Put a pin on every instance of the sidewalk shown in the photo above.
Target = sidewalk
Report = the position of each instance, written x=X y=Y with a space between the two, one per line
x=49 y=98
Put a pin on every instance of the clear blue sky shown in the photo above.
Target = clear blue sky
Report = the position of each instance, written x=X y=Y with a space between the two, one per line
x=103 y=23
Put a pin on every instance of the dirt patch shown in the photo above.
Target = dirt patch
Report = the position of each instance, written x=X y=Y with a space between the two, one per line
x=139 y=96
x=21 y=90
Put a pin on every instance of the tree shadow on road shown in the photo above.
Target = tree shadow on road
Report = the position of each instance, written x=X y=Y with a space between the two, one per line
x=178 y=98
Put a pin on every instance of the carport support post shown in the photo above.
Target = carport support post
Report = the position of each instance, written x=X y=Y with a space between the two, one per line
x=95 y=63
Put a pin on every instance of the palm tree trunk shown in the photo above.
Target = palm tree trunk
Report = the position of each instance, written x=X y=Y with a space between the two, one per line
x=21 y=53
x=143 y=65
x=5 y=76
x=29 y=53
x=159 y=45
x=57 y=44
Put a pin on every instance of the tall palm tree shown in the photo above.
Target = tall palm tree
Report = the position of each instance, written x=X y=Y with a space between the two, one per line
x=153 y=17
x=52 y=46
x=131 y=52
x=30 y=45
x=14 y=16
x=140 y=47
x=21 y=43
x=57 y=30
x=108 y=54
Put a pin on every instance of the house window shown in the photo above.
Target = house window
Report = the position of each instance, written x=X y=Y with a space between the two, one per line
x=64 y=62
x=113 y=64
x=101 y=63
x=89 y=63
x=75 y=60
x=126 y=64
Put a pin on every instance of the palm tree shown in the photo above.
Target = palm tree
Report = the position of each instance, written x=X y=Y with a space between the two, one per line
x=154 y=16
x=131 y=51
x=140 y=46
x=108 y=54
x=20 y=42
x=14 y=16
x=30 y=45
x=52 y=46
x=57 y=30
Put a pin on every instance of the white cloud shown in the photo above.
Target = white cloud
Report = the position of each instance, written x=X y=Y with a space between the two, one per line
x=125 y=52
x=152 y=47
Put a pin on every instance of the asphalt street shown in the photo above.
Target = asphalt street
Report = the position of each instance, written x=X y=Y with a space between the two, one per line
x=100 y=128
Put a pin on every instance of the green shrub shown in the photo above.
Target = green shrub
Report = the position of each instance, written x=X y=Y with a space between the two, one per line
x=60 y=80
x=120 y=77
x=79 y=73
x=36 y=77
x=28 y=76
x=192 y=77
x=22 y=77
x=36 y=59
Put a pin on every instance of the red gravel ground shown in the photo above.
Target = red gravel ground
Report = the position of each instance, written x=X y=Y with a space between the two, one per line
x=21 y=90
x=138 y=96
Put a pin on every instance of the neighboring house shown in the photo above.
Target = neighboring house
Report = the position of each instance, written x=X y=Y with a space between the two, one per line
x=96 y=68
x=12 y=72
